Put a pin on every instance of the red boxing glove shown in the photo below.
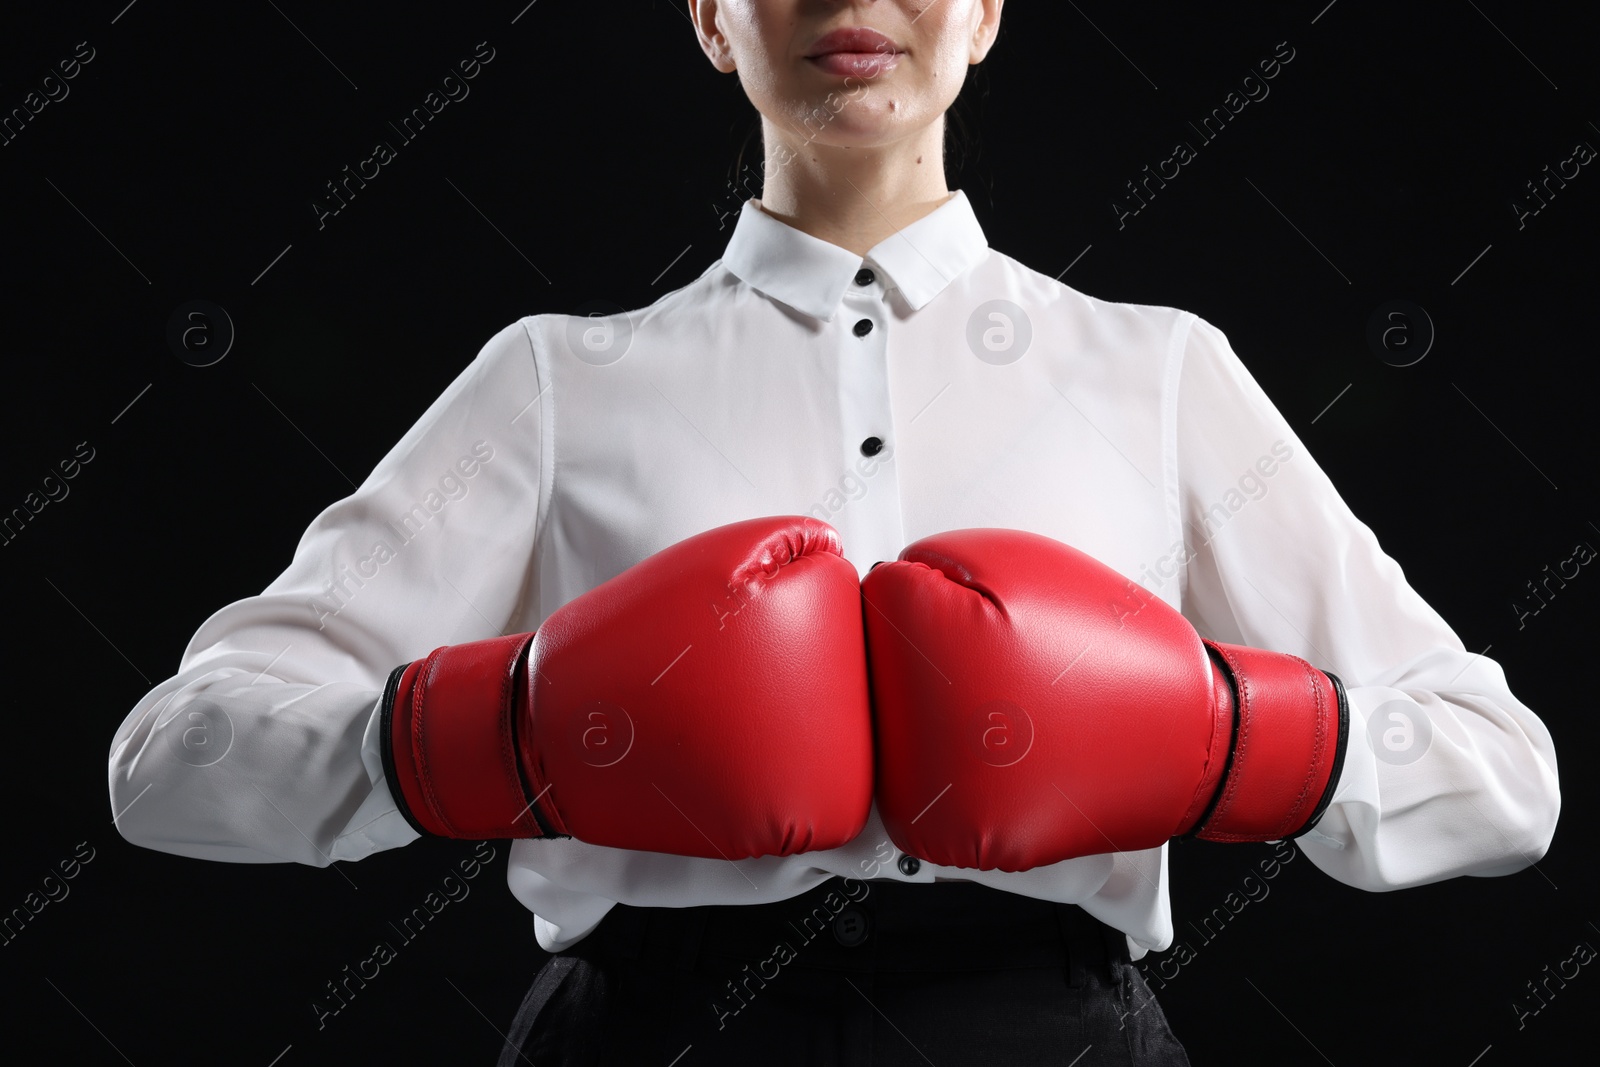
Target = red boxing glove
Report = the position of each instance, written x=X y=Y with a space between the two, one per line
x=1032 y=705
x=710 y=701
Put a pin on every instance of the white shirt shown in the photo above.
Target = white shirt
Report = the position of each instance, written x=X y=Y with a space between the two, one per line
x=572 y=448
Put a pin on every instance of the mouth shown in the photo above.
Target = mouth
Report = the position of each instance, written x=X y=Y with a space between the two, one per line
x=855 y=50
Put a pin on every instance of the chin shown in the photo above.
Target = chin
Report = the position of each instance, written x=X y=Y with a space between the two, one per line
x=878 y=131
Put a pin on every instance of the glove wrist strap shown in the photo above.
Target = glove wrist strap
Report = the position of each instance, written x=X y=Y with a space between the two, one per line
x=449 y=741
x=1292 y=722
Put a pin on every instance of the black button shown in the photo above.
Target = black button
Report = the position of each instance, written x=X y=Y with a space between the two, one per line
x=909 y=865
x=850 y=927
x=863 y=327
x=871 y=446
x=865 y=277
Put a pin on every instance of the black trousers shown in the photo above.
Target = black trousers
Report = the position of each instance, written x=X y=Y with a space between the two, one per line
x=852 y=972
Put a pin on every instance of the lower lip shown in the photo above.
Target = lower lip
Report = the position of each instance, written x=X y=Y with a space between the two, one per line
x=860 y=64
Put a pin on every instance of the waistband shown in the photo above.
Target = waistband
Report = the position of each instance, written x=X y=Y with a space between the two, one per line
x=875 y=925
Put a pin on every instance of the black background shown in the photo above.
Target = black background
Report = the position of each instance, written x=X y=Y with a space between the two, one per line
x=593 y=150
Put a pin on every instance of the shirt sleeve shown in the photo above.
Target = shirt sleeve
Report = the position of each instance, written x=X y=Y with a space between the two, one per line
x=1445 y=773
x=263 y=747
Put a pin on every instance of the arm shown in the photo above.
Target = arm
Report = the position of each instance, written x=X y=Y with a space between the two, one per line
x=264 y=746
x=1276 y=560
x=1033 y=705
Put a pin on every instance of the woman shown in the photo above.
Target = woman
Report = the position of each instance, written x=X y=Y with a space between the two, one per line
x=729 y=864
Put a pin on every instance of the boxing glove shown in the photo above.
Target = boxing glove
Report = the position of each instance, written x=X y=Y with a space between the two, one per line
x=1032 y=705
x=710 y=701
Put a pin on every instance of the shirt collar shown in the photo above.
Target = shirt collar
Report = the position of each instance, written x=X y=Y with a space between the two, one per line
x=811 y=275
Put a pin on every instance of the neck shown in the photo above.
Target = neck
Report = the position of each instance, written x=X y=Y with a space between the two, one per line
x=852 y=197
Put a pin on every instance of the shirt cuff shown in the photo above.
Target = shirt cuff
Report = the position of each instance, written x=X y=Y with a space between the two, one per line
x=1358 y=783
x=377 y=824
